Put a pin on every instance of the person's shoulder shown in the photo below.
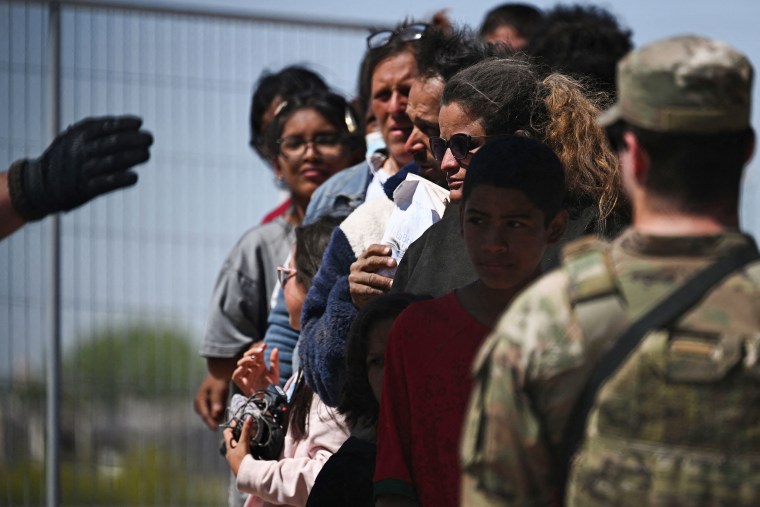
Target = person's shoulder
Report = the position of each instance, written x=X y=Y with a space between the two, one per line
x=368 y=211
x=263 y=235
x=338 y=181
x=366 y=224
x=540 y=318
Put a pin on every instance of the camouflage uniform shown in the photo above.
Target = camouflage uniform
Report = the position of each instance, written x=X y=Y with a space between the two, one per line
x=677 y=424
x=532 y=369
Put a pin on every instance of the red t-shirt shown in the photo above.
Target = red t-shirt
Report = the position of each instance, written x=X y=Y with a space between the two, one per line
x=426 y=388
x=277 y=212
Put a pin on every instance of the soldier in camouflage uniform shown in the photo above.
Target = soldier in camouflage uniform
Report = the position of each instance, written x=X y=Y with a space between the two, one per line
x=678 y=423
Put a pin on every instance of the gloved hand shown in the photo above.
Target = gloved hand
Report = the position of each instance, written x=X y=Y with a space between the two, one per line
x=92 y=157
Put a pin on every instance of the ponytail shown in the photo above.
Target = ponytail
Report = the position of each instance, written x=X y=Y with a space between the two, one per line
x=570 y=129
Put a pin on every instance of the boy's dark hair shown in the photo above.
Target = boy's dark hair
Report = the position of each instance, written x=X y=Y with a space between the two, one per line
x=584 y=42
x=442 y=55
x=357 y=402
x=524 y=18
x=331 y=106
x=692 y=171
x=523 y=164
x=311 y=241
x=285 y=83
x=372 y=59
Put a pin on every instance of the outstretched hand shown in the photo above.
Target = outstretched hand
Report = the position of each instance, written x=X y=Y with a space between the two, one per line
x=252 y=375
x=364 y=281
x=90 y=158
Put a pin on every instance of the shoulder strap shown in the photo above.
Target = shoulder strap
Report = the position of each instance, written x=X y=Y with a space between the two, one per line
x=594 y=290
x=675 y=305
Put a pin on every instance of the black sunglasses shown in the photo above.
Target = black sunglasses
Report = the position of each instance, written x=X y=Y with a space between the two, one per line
x=407 y=34
x=460 y=145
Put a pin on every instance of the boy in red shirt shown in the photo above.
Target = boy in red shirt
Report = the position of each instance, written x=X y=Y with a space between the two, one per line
x=511 y=211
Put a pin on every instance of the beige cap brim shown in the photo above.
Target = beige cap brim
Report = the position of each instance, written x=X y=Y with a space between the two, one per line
x=610 y=116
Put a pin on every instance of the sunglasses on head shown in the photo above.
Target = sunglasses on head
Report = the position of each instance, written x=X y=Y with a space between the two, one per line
x=407 y=34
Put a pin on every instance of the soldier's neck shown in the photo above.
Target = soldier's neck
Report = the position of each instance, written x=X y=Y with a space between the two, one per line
x=664 y=219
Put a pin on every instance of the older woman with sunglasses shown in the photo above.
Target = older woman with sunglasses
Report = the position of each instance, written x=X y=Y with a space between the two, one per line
x=502 y=97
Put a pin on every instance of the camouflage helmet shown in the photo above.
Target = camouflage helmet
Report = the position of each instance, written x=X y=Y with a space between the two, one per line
x=685 y=84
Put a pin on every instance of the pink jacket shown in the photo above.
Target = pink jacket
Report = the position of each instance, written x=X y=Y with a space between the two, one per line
x=289 y=480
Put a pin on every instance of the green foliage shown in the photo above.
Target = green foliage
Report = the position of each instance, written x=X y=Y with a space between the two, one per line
x=148 y=477
x=137 y=361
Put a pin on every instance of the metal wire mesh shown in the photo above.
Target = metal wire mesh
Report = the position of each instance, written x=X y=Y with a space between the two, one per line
x=138 y=266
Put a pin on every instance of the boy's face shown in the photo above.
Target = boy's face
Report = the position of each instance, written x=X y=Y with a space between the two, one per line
x=506 y=236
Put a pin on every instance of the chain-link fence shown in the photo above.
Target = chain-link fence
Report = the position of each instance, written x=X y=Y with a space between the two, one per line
x=138 y=266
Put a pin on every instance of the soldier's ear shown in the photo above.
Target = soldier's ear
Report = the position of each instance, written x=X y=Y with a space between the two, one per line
x=638 y=157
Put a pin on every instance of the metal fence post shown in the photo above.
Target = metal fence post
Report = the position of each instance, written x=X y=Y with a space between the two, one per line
x=52 y=462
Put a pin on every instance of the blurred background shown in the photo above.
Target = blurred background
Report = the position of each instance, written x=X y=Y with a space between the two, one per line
x=138 y=266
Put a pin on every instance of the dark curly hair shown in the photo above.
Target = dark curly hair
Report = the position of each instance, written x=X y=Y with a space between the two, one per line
x=356 y=400
x=443 y=54
x=524 y=18
x=584 y=42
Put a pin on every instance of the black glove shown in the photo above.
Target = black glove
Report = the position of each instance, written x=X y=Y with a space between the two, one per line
x=90 y=158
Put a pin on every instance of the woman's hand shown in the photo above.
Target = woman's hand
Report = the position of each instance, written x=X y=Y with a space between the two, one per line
x=364 y=283
x=238 y=449
x=251 y=374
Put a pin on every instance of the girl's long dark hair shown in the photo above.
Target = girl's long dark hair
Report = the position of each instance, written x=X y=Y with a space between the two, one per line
x=357 y=401
x=311 y=241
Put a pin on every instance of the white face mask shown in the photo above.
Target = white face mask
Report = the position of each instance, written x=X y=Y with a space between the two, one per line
x=375 y=142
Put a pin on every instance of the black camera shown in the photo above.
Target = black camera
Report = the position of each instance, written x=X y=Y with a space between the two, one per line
x=269 y=410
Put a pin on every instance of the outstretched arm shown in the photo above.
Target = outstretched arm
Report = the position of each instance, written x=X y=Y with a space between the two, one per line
x=91 y=158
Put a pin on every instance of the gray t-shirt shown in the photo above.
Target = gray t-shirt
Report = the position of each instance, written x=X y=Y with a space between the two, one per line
x=242 y=295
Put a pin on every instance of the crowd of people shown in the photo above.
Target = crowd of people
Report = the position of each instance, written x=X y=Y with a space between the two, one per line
x=508 y=272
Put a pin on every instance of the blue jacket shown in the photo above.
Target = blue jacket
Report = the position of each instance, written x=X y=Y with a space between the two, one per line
x=339 y=195
x=328 y=310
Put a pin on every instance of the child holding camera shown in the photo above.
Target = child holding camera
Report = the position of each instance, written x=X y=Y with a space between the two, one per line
x=314 y=431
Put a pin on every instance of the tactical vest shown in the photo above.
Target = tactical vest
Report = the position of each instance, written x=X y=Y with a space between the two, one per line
x=679 y=422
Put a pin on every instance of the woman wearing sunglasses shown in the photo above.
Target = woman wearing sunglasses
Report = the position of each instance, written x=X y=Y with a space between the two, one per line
x=502 y=97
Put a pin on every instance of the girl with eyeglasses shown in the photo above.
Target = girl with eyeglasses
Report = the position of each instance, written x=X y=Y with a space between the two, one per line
x=311 y=137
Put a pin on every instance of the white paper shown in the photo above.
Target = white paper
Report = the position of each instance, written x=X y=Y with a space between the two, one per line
x=419 y=204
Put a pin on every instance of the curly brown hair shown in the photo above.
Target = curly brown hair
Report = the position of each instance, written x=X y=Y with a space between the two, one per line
x=512 y=97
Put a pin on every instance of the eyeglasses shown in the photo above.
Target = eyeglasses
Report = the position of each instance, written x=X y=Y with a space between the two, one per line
x=295 y=146
x=407 y=34
x=460 y=145
x=284 y=274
